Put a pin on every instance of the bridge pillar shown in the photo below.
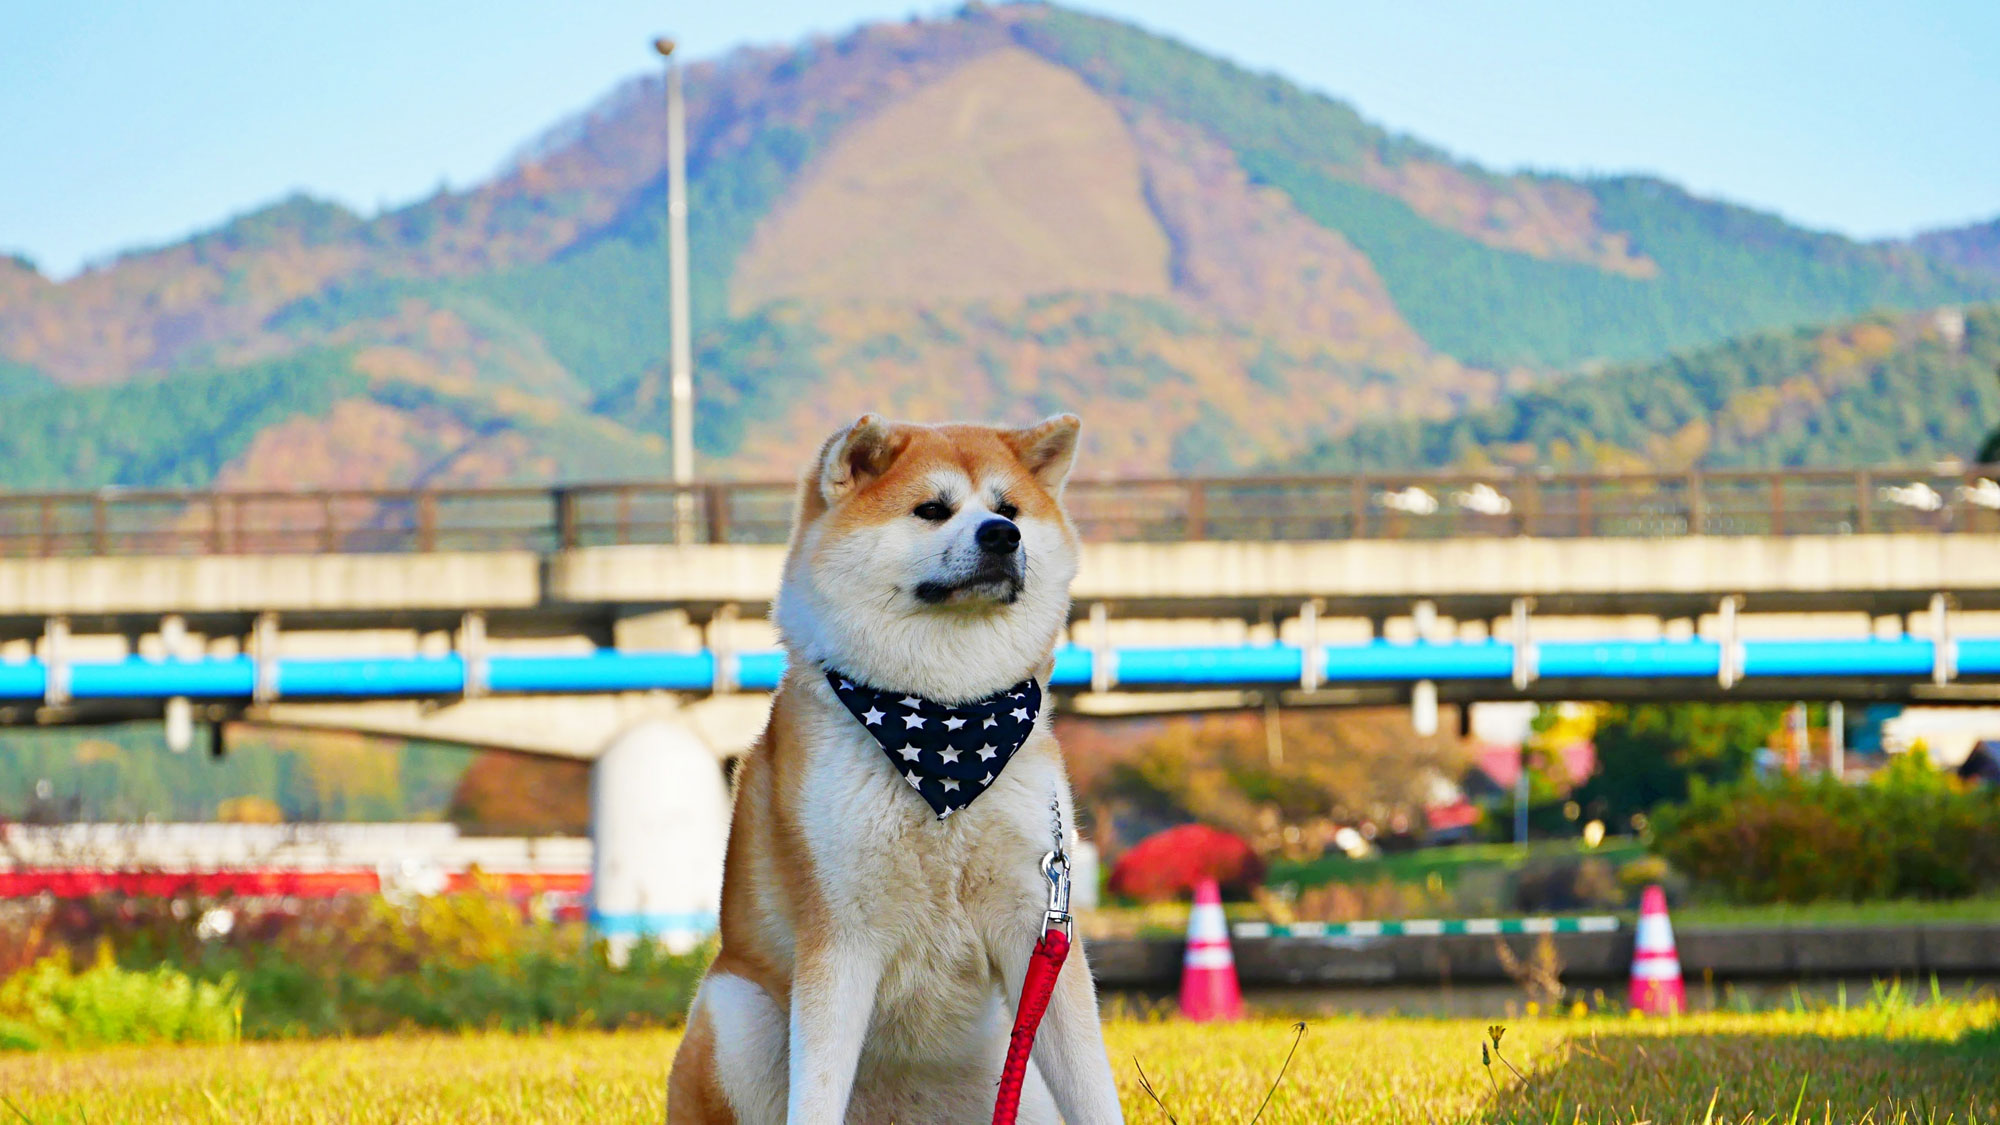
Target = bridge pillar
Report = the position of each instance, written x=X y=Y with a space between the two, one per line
x=659 y=821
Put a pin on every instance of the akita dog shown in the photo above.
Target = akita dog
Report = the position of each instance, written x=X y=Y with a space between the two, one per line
x=883 y=889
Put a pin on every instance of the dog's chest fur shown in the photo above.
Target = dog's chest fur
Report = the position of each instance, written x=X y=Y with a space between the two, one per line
x=933 y=896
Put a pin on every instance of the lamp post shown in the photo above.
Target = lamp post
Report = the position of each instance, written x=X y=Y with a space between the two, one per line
x=680 y=385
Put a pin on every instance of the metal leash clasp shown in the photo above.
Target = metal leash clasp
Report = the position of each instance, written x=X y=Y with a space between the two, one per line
x=1055 y=868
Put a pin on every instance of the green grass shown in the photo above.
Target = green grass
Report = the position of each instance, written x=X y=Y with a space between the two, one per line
x=1894 y=1062
x=1985 y=908
x=1449 y=864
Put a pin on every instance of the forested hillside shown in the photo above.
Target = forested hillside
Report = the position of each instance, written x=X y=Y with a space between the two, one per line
x=1013 y=210
x=1910 y=389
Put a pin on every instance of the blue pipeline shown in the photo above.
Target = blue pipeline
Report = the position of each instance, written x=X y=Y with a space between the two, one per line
x=1375 y=662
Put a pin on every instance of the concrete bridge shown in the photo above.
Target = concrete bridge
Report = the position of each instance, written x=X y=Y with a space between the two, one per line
x=626 y=623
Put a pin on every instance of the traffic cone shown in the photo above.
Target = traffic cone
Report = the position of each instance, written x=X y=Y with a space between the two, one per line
x=1656 y=965
x=1208 y=976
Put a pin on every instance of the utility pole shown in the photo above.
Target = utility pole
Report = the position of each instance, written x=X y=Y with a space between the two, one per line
x=680 y=384
x=1521 y=798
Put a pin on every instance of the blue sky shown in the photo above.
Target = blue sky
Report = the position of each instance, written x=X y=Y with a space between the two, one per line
x=129 y=123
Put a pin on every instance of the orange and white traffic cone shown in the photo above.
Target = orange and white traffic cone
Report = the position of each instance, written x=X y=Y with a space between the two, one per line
x=1656 y=965
x=1208 y=976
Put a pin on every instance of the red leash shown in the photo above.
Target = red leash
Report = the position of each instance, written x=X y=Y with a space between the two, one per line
x=1037 y=986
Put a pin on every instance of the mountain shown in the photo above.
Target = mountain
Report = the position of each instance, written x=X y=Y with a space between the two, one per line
x=1901 y=389
x=1975 y=248
x=1013 y=210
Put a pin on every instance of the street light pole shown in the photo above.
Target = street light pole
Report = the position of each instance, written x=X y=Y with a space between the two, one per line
x=680 y=382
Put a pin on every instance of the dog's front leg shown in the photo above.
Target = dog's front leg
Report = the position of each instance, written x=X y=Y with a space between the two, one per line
x=1069 y=1045
x=833 y=998
x=1070 y=1049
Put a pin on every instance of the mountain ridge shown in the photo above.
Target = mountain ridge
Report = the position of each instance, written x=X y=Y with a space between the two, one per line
x=1265 y=271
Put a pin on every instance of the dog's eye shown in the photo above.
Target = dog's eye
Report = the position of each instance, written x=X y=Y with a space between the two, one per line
x=933 y=510
x=1006 y=510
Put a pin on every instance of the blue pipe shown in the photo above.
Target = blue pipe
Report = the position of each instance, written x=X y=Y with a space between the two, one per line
x=1902 y=656
x=605 y=670
x=1390 y=661
x=1979 y=656
x=1636 y=659
x=222 y=678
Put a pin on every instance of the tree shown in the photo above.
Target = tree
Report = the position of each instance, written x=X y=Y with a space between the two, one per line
x=1647 y=753
x=1321 y=770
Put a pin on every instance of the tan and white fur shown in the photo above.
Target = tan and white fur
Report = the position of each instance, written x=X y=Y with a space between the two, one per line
x=871 y=954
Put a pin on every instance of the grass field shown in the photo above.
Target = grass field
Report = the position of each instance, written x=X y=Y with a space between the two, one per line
x=1981 y=908
x=1449 y=863
x=1893 y=1063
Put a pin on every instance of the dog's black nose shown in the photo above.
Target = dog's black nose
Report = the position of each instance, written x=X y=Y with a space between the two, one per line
x=998 y=537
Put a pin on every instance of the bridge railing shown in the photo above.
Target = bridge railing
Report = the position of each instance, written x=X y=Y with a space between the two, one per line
x=1372 y=506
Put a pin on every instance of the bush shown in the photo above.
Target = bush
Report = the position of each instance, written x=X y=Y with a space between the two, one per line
x=1168 y=864
x=363 y=966
x=51 y=1005
x=1912 y=832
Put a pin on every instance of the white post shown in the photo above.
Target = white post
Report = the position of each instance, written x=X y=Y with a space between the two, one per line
x=1836 y=739
x=179 y=724
x=1423 y=619
x=680 y=364
x=659 y=822
x=1424 y=707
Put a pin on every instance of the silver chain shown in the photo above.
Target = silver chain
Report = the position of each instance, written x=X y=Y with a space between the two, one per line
x=1055 y=868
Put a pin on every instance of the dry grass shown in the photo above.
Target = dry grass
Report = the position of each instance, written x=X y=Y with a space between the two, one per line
x=1888 y=1064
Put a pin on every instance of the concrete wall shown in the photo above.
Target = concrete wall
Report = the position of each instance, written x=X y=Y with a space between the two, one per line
x=1638 y=576
x=257 y=583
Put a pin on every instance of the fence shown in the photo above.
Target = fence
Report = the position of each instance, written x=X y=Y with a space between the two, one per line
x=1374 y=506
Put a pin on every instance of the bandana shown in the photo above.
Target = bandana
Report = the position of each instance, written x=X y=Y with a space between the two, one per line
x=949 y=755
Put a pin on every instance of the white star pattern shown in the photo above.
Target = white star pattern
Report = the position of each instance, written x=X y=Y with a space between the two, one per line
x=924 y=752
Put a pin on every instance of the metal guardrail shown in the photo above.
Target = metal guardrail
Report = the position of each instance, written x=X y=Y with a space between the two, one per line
x=1373 y=506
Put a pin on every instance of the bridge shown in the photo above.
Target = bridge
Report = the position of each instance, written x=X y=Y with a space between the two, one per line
x=626 y=623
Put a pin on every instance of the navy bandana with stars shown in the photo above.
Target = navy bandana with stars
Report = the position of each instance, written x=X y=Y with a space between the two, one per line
x=949 y=755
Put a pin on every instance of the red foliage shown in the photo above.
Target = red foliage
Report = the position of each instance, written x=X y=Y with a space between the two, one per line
x=1168 y=864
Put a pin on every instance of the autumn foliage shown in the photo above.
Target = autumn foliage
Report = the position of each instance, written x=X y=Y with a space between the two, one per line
x=1168 y=864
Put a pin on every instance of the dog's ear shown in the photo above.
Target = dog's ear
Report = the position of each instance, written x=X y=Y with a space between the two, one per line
x=1047 y=449
x=857 y=455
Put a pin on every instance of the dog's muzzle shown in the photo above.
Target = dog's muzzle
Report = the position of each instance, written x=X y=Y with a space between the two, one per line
x=996 y=577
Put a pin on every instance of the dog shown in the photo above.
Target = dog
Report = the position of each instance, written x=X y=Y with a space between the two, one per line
x=876 y=923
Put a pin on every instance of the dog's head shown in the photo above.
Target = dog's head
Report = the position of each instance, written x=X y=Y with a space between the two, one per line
x=932 y=559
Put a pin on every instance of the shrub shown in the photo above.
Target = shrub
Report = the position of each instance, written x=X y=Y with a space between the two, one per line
x=1911 y=832
x=515 y=991
x=368 y=965
x=1168 y=864
x=470 y=959
x=51 y=1005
